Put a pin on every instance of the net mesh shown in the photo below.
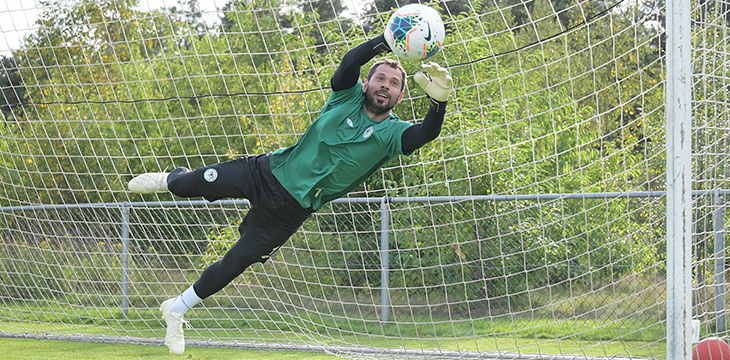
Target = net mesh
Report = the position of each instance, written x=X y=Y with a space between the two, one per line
x=533 y=226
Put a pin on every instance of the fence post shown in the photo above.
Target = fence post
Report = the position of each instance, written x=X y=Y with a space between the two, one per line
x=678 y=115
x=125 y=258
x=384 y=260
x=719 y=229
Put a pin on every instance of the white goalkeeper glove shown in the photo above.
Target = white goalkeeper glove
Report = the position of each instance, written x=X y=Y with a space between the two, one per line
x=438 y=84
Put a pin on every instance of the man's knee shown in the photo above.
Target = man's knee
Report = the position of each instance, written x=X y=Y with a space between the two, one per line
x=181 y=182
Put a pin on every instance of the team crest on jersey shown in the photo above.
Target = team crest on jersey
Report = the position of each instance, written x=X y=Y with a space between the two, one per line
x=210 y=175
x=368 y=132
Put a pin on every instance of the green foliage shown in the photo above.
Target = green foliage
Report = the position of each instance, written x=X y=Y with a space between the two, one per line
x=50 y=270
x=12 y=91
x=113 y=92
x=528 y=125
x=219 y=241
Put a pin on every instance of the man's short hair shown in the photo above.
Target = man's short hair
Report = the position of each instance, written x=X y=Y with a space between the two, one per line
x=392 y=63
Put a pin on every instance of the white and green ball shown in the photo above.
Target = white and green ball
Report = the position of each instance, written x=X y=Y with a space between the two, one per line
x=415 y=32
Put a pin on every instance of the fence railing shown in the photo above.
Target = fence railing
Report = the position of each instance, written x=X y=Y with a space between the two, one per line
x=125 y=208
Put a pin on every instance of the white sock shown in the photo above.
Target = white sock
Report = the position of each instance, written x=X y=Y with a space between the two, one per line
x=185 y=301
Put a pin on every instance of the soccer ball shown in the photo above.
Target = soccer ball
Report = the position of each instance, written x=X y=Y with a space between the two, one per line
x=415 y=32
x=711 y=349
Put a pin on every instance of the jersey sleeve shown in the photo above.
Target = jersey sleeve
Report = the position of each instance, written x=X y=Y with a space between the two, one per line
x=353 y=94
x=395 y=145
x=348 y=72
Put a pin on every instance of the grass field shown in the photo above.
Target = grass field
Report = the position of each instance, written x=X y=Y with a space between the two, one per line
x=522 y=342
x=30 y=349
x=591 y=337
x=538 y=333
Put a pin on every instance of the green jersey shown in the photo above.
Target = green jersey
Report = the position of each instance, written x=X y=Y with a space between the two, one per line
x=339 y=151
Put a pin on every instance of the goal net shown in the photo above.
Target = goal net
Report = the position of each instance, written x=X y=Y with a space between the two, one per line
x=534 y=226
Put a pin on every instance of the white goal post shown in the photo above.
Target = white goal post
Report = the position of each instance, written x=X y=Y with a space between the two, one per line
x=547 y=221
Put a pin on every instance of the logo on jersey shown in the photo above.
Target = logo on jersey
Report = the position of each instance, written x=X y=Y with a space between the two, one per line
x=349 y=122
x=368 y=132
x=210 y=175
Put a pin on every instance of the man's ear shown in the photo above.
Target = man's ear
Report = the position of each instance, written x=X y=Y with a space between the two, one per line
x=400 y=97
x=364 y=85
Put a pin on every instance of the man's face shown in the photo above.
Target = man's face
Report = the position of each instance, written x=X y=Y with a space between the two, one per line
x=383 y=90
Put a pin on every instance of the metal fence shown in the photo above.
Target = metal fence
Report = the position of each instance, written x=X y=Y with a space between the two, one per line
x=716 y=199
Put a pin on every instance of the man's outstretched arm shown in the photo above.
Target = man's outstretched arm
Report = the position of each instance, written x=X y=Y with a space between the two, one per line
x=419 y=134
x=437 y=86
x=348 y=72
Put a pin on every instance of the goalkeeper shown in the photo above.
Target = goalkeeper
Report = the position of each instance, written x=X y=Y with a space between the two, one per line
x=354 y=135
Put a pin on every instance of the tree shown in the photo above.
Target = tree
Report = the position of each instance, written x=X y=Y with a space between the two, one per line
x=84 y=76
x=11 y=87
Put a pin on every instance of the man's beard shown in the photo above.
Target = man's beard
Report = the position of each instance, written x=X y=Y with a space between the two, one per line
x=372 y=105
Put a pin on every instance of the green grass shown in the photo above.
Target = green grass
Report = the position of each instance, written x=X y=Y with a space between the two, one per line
x=546 y=336
x=30 y=349
x=553 y=331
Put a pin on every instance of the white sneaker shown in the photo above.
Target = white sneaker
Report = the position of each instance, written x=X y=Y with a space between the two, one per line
x=175 y=340
x=148 y=183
